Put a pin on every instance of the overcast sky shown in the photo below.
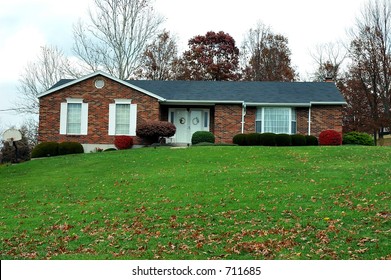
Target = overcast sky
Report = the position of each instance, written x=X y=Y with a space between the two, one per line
x=26 y=25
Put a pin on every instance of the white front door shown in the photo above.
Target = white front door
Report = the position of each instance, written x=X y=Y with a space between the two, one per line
x=188 y=121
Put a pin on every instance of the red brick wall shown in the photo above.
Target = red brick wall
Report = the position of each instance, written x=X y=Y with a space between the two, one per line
x=302 y=120
x=228 y=120
x=326 y=117
x=98 y=110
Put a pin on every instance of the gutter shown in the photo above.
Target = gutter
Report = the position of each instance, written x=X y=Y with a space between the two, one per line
x=244 y=111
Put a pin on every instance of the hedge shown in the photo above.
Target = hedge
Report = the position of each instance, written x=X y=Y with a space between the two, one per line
x=202 y=137
x=268 y=139
x=311 y=140
x=358 y=138
x=283 y=140
x=240 y=139
x=298 y=140
x=45 y=149
x=67 y=148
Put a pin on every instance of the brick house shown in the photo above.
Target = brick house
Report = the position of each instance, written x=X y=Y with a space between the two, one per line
x=93 y=109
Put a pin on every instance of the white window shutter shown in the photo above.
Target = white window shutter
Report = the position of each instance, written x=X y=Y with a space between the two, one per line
x=84 y=119
x=63 y=118
x=111 y=119
x=133 y=119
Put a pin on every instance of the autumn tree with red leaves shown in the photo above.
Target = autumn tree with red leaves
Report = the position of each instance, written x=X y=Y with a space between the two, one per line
x=213 y=57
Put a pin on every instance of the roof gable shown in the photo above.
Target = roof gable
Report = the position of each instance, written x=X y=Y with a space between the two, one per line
x=63 y=83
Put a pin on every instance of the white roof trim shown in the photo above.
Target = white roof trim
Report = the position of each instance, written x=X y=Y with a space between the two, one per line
x=328 y=103
x=73 y=82
x=210 y=102
x=278 y=104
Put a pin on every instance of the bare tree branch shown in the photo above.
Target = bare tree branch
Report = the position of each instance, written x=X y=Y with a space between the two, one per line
x=116 y=37
x=51 y=65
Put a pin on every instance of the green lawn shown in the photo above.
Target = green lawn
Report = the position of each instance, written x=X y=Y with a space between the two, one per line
x=200 y=203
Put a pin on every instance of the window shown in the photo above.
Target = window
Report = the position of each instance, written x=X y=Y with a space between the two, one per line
x=74 y=117
x=276 y=120
x=122 y=117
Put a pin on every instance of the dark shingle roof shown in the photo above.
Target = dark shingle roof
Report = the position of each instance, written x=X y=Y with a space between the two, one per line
x=229 y=91
x=250 y=92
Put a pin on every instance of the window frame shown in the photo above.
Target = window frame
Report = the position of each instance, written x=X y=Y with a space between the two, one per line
x=64 y=117
x=260 y=120
x=112 y=130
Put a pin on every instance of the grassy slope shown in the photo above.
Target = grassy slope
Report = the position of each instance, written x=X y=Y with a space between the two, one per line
x=200 y=203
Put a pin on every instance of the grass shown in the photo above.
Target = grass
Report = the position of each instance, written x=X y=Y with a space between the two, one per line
x=200 y=203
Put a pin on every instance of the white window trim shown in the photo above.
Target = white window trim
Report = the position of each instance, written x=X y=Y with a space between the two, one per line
x=64 y=116
x=291 y=109
x=133 y=116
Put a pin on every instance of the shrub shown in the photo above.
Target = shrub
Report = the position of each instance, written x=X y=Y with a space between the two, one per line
x=45 y=149
x=330 y=138
x=357 y=138
x=110 y=149
x=311 y=140
x=201 y=137
x=268 y=139
x=152 y=131
x=298 y=140
x=283 y=140
x=240 y=139
x=123 y=142
x=67 y=148
x=253 y=139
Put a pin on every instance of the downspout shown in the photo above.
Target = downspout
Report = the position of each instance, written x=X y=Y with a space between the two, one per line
x=243 y=115
x=309 y=120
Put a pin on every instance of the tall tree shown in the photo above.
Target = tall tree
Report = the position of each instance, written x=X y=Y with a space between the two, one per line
x=266 y=56
x=50 y=66
x=370 y=69
x=328 y=60
x=116 y=37
x=212 y=57
x=159 y=58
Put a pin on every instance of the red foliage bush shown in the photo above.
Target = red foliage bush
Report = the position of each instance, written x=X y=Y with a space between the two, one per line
x=123 y=142
x=330 y=138
x=153 y=130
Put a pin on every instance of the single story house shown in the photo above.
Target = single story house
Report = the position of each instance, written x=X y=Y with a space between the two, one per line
x=93 y=109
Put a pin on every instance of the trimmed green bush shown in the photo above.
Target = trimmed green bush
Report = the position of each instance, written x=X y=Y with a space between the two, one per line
x=311 y=140
x=45 y=149
x=253 y=139
x=110 y=149
x=240 y=139
x=298 y=140
x=205 y=144
x=268 y=139
x=67 y=148
x=202 y=136
x=357 y=138
x=283 y=139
